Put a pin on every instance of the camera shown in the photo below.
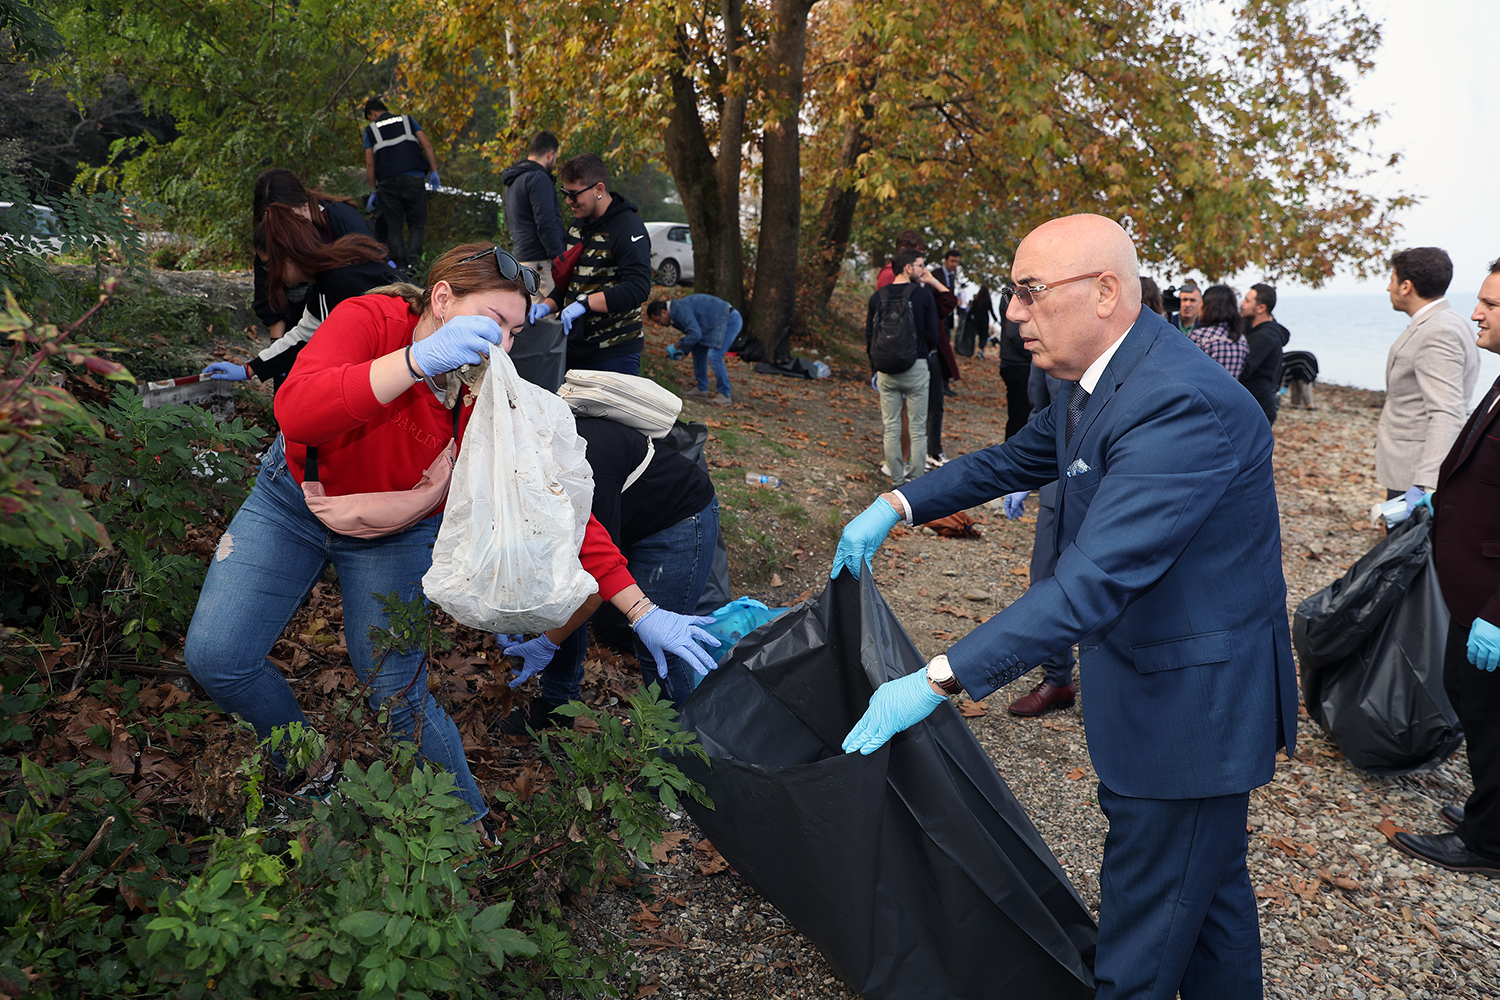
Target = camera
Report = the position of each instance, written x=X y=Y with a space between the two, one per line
x=1169 y=300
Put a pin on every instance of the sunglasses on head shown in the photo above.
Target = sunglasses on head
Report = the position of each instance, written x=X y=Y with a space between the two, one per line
x=510 y=268
x=575 y=195
x=1027 y=293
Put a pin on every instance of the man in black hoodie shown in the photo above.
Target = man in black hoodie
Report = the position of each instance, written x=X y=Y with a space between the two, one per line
x=604 y=275
x=1265 y=337
x=531 y=212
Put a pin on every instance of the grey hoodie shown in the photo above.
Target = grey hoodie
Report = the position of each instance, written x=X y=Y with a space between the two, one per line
x=531 y=212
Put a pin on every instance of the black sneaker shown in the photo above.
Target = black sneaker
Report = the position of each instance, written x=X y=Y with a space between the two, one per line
x=541 y=715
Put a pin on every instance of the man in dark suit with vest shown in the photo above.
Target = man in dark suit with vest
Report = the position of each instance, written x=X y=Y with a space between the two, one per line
x=401 y=166
x=1169 y=578
x=1466 y=552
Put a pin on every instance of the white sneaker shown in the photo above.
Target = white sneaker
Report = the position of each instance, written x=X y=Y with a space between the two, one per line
x=938 y=462
x=885 y=470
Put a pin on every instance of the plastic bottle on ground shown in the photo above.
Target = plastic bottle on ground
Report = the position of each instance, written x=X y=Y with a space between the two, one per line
x=757 y=479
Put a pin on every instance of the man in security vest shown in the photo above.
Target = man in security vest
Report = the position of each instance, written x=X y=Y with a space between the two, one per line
x=398 y=158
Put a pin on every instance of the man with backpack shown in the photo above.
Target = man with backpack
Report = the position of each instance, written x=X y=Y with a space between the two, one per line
x=401 y=168
x=900 y=329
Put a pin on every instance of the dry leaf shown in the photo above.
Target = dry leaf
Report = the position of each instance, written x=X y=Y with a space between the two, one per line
x=971 y=709
x=1076 y=774
x=1388 y=828
x=669 y=842
x=645 y=919
x=775 y=579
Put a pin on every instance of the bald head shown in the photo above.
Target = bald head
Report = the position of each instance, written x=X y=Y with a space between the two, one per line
x=1072 y=322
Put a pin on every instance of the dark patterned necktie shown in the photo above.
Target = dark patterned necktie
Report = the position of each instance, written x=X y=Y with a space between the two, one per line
x=1078 y=398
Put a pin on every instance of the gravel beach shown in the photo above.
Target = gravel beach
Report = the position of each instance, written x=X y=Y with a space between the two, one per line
x=1343 y=914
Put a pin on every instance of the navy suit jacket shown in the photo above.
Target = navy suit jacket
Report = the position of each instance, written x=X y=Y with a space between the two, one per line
x=1168 y=574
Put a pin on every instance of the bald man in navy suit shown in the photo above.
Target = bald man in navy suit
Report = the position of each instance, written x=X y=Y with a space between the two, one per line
x=1169 y=579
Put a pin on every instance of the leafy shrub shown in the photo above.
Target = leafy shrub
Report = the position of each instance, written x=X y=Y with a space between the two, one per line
x=155 y=479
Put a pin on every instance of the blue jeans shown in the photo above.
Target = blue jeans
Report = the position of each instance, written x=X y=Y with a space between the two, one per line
x=671 y=567
x=270 y=557
x=705 y=356
x=625 y=364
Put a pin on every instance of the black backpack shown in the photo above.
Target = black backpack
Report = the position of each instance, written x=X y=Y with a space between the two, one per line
x=894 y=348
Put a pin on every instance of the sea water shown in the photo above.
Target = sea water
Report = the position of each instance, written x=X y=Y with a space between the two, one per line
x=1351 y=334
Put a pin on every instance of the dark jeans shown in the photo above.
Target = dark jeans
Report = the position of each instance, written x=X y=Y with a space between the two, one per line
x=1059 y=666
x=624 y=364
x=1475 y=695
x=1017 y=406
x=936 y=386
x=403 y=200
x=671 y=568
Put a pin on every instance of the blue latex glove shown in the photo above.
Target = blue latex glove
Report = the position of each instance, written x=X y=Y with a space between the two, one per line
x=862 y=536
x=1015 y=504
x=434 y=181
x=503 y=639
x=1484 y=645
x=227 y=371
x=535 y=655
x=666 y=632
x=1417 y=497
x=572 y=312
x=895 y=705
x=537 y=311
x=372 y=202
x=463 y=340
x=674 y=352
x=874 y=383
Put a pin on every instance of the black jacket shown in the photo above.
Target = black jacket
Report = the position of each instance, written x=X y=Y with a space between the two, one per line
x=327 y=291
x=1262 y=371
x=343 y=219
x=616 y=260
x=531 y=212
x=672 y=487
x=924 y=312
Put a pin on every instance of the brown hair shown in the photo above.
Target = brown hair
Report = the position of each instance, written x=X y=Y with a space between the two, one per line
x=1151 y=296
x=279 y=186
x=464 y=277
x=585 y=168
x=285 y=238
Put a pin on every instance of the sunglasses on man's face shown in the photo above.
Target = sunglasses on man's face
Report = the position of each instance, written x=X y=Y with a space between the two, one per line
x=575 y=195
x=1027 y=293
x=510 y=268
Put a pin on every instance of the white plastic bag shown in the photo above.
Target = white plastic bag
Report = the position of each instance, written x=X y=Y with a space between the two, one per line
x=506 y=556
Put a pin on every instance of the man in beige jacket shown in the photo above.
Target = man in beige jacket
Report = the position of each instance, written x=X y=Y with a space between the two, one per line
x=1430 y=374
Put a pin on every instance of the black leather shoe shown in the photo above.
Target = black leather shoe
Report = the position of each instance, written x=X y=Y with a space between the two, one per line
x=1452 y=815
x=1446 y=850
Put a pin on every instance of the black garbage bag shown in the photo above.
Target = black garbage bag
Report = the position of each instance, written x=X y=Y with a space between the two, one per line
x=1372 y=672
x=540 y=353
x=914 y=869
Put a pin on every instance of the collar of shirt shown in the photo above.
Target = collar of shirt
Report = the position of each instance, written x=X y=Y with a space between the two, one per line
x=1095 y=371
x=1428 y=308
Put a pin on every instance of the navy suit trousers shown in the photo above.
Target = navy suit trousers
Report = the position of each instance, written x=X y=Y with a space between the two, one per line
x=1176 y=910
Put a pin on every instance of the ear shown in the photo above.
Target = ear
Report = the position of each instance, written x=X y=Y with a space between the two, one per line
x=1111 y=295
x=442 y=298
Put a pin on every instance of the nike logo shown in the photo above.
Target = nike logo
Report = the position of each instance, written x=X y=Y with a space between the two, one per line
x=634 y=238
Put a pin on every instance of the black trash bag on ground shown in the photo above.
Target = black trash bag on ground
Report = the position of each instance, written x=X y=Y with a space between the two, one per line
x=1383 y=701
x=540 y=353
x=792 y=368
x=914 y=869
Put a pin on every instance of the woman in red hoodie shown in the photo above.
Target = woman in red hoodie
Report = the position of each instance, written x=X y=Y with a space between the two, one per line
x=360 y=395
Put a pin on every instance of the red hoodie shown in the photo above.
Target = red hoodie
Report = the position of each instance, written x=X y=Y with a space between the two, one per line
x=365 y=446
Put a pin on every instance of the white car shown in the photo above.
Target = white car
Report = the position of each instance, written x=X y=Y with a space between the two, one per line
x=37 y=235
x=671 y=252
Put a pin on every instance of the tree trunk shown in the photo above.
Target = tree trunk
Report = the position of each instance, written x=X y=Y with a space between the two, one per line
x=773 y=305
x=709 y=184
x=836 y=218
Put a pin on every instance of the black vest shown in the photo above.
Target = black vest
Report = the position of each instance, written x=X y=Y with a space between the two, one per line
x=397 y=149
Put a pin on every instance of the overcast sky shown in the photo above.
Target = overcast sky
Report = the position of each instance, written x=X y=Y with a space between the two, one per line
x=1437 y=77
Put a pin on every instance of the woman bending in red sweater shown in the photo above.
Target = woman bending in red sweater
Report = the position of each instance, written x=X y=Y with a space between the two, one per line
x=357 y=394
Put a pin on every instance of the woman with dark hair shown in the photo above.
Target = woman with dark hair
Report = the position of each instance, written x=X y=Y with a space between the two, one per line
x=331 y=215
x=1151 y=296
x=295 y=255
x=1218 y=329
x=357 y=479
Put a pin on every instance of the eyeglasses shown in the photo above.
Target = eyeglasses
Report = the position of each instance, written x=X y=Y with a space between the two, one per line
x=1027 y=293
x=575 y=195
x=510 y=268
